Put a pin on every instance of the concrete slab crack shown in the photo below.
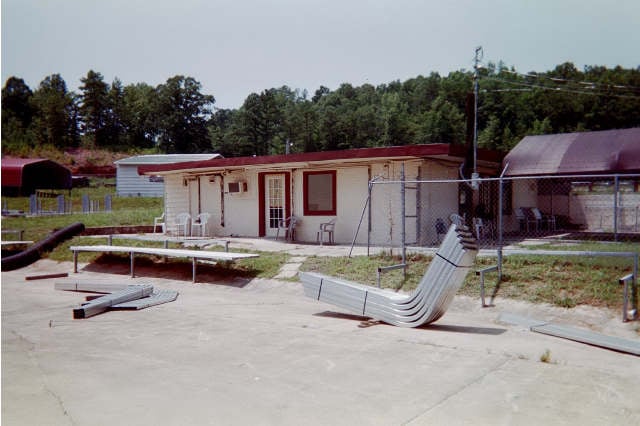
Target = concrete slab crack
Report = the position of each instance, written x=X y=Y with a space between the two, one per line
x=458 y=391
x=29 y=347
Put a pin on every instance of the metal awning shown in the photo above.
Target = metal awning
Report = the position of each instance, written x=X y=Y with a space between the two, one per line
x=608 y=151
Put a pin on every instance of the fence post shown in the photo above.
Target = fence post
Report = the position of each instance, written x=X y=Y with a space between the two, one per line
x=615 y=207
x=33 y=204
x=501 y=219
x=369 y=217
x=634 y=285
x=61 y=204
x=107 y=203
x=85 y=203
x=404 y=219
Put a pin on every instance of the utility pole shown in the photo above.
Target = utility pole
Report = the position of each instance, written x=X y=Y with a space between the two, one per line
x=476 y=77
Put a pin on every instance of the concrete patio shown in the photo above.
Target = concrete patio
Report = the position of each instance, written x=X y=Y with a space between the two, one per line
x=259 y=352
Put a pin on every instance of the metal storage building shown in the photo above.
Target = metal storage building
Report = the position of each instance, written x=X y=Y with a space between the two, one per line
x=130 y=184
x=604 y=151
x=22 y=176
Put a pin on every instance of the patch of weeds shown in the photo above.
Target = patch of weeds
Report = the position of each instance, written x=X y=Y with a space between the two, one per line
x=267 y=265
x=564 y=302
x=546 y=357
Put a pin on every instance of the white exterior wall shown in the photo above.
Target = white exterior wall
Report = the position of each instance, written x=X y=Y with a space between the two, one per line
x=351 y=188
x=239 y=214
x=241 y=209
x=438 y=200
x=176 y=198
x=595 y=211
x=210 y=202
x=386 y=204
x=130 y=184
x=525 y=194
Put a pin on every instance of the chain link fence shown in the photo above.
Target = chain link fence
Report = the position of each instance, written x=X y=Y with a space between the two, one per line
x=547 y=216
x=506 y=211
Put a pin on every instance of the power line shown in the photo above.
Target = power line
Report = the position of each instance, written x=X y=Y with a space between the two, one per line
x=589 y=84
x=560 y=89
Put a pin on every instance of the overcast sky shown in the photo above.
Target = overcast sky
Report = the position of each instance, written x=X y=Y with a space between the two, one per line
x=236 y=47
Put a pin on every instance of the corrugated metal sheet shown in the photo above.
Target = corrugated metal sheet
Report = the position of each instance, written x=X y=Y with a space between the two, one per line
x=608 y=151
x=130 y=184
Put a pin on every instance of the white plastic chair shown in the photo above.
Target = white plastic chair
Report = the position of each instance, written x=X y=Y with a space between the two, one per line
x=326 y=228
x=478 y=224
x=549 y=219
x=456 y=219
x=158 y=221
x=288 y=225
x=180 y=224
x=200 y=222
x=523 y=219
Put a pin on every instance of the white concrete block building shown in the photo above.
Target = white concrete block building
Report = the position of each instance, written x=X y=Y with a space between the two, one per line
x=248 y=196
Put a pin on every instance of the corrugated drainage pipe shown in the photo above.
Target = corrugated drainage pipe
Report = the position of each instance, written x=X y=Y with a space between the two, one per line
x=34 y=252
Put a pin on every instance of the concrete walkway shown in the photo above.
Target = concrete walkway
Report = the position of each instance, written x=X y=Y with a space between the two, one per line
x=291 y=268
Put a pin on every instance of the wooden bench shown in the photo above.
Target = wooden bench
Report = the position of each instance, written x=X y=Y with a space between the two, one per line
x=195 y=255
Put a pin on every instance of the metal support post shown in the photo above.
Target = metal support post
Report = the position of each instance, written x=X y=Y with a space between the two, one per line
x=501 y=220
x=404 y=220
x=382 y=269
x=481 y=273
x=368 y=207
x=615 y=207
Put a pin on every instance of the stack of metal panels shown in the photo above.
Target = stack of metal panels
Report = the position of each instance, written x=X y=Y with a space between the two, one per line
x=103 y=303
x=426 y=304
x=116 y=296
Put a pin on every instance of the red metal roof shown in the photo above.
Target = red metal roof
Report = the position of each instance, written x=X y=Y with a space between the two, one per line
x=406 y=151
x=607 y=151
x=22 y=176
x=12 y=170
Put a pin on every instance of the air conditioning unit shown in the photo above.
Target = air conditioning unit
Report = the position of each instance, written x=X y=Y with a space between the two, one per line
x=237 y=187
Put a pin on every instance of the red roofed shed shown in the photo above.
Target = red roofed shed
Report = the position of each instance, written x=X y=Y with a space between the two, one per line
x=22 y=176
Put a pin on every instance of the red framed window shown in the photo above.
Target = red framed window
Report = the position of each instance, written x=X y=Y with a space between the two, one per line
x=319 y=193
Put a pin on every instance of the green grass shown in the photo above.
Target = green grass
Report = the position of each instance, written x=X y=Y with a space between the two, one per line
x=363 y=269
x=565 y=282
x=586 y=246
x=129 y=211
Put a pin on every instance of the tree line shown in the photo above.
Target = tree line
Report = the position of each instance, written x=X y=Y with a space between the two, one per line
x=176 y=117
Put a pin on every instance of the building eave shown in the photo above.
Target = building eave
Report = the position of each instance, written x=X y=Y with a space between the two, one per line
x=310 y=159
